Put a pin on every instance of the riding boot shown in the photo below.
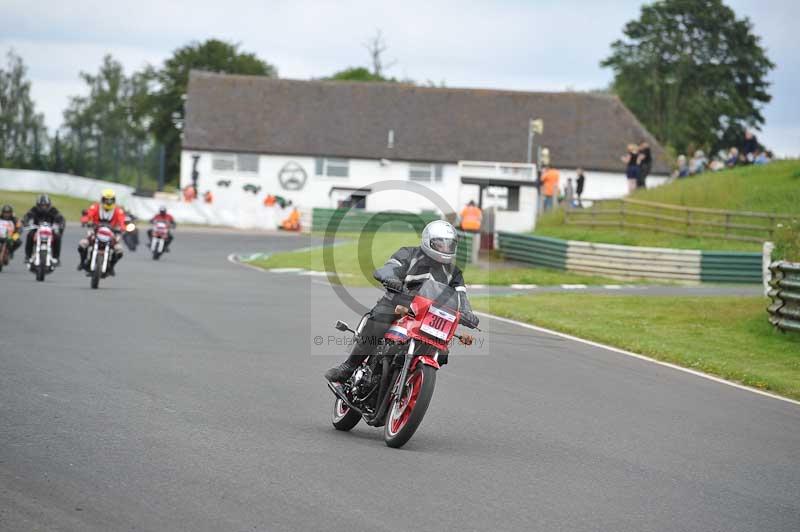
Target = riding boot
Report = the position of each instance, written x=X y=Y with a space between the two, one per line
x=82 y=254
x=343 y=371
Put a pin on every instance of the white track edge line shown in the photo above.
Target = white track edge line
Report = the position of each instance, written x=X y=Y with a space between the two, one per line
x=640 y=357
x=234 y=259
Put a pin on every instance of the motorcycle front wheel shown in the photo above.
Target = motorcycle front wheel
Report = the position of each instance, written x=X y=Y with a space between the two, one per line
x=96 y=273
x=407 y=412
x=343 y=417
x=40 y=270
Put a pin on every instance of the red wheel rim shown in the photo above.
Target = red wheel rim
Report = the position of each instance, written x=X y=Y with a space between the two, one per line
x=341 y=409
x=401 y=412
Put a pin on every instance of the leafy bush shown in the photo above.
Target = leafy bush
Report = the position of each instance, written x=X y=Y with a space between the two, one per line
x=787 y=241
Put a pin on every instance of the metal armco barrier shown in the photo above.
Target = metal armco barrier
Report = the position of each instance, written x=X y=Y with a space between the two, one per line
x=784 y=312
x=632 y=262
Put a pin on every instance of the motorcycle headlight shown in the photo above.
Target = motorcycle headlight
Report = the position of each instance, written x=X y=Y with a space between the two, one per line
x=130 y=227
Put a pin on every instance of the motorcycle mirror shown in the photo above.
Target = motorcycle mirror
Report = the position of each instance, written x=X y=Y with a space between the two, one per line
x=342 y=326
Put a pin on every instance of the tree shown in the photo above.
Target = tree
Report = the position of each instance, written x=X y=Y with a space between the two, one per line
x=691 y=72
x=108 y=127
x=166 y=104
x=376 y=47
x=22 y=129
x=357 y=74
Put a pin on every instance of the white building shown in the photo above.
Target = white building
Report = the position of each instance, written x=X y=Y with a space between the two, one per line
x=322 y=143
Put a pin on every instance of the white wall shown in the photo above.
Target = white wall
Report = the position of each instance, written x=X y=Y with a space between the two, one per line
x=316 y=192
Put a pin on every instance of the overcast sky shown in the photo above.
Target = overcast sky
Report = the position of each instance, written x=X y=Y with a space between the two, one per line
x=515 y=44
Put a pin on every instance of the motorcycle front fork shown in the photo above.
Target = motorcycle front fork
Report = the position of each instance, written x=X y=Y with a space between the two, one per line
x=401 y=381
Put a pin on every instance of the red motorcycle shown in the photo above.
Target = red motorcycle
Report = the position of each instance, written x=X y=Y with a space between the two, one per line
x=159 y=239
x=393 y=387
x=42 y=260
x=8 y=235
x=102 y=242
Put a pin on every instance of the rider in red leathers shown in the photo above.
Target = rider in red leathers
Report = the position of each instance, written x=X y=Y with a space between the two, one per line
x=162 y=216
x=106 y=211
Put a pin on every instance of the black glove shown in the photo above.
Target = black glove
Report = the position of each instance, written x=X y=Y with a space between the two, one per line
x=394 y=284
x=468 y=319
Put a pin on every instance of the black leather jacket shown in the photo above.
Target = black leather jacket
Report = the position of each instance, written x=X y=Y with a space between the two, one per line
x=50 y=215
x=412 y=267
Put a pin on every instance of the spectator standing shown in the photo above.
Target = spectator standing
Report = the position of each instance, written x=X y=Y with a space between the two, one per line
x=749 y=146
x=683 y=166
x=631 y=160
x=645 y=162
x=581 y=182
x=471 y=217
x=550 y=179
x=569 y=194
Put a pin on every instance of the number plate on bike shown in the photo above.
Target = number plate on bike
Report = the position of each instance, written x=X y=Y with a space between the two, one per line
x=438 y=323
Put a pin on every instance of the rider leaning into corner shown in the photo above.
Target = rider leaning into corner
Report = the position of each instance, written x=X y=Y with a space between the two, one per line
x=408 y=269
x=106 y=211
x=163 y=216
x=42 y=212
x=7 y=213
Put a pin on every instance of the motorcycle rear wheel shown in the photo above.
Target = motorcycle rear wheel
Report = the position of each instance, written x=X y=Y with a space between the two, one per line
x=407 y=412
x=343 y=417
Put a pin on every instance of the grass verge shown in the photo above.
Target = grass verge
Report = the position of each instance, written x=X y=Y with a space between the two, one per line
x=69 y=206
x=773 y=188
x=724 y=336
x=355 y=265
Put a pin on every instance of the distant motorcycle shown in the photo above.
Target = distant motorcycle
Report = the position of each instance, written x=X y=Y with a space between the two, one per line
x=131 y=234
x=159 y=239
x=42 y=260
x=102 y=245
x=6 y=241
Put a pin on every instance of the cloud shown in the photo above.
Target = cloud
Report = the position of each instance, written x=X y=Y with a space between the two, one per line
x=515 y=44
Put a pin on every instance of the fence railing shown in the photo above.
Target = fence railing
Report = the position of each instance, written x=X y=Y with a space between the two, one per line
x=632 y=262
x=675 y=219
x=784 y=312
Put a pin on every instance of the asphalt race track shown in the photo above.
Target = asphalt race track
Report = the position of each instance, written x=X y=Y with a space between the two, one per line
x=187 y=395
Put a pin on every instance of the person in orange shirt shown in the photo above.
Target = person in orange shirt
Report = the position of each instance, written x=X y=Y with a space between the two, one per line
x=550 y=178
x=270 y=200
x=292 y=223
x=471 y=217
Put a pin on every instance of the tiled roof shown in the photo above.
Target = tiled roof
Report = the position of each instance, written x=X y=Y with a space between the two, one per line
x=347 y=119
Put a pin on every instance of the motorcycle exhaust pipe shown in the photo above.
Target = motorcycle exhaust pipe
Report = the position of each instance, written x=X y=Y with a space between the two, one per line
x=379 y=419
x=337 y=391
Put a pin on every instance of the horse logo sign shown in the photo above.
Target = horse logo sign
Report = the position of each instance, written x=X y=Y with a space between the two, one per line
x=292 y=176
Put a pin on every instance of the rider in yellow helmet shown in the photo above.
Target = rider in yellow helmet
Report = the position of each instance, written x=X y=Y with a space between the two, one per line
x=106 y=212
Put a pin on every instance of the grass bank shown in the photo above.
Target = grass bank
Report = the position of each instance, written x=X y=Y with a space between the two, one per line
x=772 y=188
x=69 y=206
x=725 y=336
x=355 y=262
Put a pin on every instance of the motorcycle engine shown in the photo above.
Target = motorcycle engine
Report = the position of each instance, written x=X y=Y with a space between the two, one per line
x=362 y=381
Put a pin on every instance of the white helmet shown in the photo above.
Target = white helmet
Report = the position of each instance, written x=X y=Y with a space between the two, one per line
x=439 y=241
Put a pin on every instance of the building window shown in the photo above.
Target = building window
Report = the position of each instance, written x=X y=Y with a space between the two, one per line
x=332 y=167
x=223 y=163
x=247 y=162
x=425 y=172
x=240 y=162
